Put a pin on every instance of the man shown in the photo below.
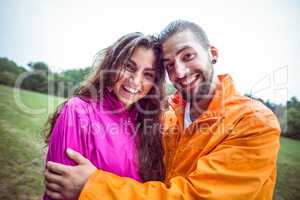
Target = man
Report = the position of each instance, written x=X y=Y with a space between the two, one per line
x=218 y=143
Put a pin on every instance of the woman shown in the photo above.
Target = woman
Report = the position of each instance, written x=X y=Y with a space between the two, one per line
x=113 y=120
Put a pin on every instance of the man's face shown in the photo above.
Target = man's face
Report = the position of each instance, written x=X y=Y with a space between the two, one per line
x=188 y=65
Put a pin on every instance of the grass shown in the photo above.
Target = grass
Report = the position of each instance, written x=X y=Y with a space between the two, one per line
x=22 y=152
x=288 y=180
x=21 y=143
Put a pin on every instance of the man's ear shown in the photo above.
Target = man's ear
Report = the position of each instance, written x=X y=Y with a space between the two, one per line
x=214 y=53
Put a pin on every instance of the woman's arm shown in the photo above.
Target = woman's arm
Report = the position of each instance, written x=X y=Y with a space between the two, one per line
x=66 y=133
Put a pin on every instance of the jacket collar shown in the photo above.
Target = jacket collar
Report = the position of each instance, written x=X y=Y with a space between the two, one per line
x=111 y=103
x=216 y=108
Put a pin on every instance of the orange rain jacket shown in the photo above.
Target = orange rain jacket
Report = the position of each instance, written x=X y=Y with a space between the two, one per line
x=229 y=152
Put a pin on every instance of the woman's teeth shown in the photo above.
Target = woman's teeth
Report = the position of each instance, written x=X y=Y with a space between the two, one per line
x=131 y=90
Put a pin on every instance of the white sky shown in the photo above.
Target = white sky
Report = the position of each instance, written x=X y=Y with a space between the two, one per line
x=258 y=41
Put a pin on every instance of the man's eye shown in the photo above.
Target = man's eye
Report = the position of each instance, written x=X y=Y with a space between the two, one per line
x=188 y=57
x=169 y=66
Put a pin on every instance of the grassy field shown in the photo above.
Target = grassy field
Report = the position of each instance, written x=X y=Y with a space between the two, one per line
x=288 y=181
x=21 y=143
x=21 y=148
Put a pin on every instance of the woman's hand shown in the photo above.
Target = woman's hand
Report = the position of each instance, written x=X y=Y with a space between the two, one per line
x=64 y=181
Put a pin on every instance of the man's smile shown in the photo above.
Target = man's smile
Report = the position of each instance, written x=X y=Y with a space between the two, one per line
x=190 y=81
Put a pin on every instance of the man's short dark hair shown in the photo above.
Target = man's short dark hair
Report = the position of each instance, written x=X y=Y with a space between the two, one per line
x=178 y=26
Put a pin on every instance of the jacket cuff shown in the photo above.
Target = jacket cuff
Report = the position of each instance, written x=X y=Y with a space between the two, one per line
x=90 y=187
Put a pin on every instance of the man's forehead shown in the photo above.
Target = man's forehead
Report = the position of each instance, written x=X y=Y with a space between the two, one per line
x=178 y=41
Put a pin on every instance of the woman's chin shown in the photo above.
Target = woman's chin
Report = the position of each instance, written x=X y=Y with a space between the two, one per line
x=127 y=102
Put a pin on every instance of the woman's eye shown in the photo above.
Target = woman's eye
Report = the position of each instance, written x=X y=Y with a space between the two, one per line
x=149 y=75
x=129 y=68
x=188 y=56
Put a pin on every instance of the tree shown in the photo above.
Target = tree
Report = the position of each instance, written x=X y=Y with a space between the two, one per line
x=9 y=72
x=293 y=118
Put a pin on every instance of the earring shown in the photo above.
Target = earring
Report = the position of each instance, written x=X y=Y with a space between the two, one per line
x=214 y=61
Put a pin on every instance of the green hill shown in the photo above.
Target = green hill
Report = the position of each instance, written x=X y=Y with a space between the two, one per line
x=21 y=143
x=288 y=174
x=22 y=116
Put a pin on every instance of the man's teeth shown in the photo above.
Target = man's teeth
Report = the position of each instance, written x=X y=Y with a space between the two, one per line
x=189 y=80
x=131 y=90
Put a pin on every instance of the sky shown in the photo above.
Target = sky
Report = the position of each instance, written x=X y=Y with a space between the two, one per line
x=258 y=41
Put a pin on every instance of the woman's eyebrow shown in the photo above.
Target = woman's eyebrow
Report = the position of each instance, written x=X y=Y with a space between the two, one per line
x=149 y=69
x=131 y=62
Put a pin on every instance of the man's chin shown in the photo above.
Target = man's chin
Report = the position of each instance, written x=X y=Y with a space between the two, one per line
x=194 y=96
x=188 y=96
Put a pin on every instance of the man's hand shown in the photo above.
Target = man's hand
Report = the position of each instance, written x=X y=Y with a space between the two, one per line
x=66 y=182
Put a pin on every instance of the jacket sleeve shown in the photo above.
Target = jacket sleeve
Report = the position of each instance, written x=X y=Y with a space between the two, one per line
x=238 y=168
x=66 y=133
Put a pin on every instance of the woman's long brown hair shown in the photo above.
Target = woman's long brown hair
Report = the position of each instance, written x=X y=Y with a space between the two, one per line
x=150 y=149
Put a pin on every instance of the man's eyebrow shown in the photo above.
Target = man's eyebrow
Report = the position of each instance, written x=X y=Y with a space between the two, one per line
x=181 y=49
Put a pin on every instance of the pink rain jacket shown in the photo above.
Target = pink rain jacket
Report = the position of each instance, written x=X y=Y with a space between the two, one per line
x=101 y=130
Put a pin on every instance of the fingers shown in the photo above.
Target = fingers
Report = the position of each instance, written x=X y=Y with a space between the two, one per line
x=53 y=195
x=57 y=167
x=77 y=157
x=53 y=186
x=53 y=178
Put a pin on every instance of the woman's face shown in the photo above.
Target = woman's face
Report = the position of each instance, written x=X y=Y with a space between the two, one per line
x=137 y=76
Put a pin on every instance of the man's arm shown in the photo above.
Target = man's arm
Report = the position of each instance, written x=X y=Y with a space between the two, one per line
x=64 y=181
x=238 y=168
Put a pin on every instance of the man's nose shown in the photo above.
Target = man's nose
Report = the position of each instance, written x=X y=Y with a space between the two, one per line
x=180 y=69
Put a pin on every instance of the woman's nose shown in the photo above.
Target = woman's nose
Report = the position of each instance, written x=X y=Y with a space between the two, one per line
x=136 y=80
